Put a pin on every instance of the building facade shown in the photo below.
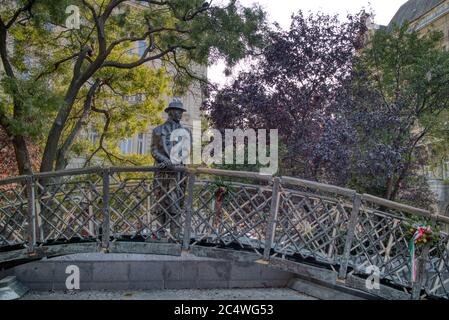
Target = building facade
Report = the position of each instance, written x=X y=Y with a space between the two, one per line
x=425 y=16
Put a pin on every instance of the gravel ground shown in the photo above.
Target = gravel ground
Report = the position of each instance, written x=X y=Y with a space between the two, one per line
x=218 y=294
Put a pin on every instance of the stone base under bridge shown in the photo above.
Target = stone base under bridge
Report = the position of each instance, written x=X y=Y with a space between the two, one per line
x=118 y=271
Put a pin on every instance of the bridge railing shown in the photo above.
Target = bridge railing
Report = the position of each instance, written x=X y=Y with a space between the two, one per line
x=14 y=211
x=275 y=217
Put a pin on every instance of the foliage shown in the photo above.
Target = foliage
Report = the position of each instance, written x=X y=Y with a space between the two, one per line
x=399 y=92
x=438 y=140
x=59 y=82
x=356 y=117
x=296 y=87
x=221 y=188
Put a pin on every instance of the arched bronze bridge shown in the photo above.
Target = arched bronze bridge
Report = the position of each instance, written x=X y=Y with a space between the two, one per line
x=321 y=231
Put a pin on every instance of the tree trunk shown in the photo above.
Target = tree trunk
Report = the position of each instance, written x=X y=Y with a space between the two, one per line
x=389 y=188
x=22 y=155
x=61 y=158
x=53 y=140
x=20 y=148
x=51 y=145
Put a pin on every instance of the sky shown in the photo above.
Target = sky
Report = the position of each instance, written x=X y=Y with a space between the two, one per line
x=281 y=11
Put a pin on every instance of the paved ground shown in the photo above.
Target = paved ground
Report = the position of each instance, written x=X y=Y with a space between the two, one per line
x=219 y=294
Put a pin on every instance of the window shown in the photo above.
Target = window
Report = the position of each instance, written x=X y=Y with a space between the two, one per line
x=446 y=170
x=141 y=143
x=135 y=98
x=143 y=3
x=126 y=146
x=49 y=27
x=141 y=47
x=93 y=136
x=26 y=75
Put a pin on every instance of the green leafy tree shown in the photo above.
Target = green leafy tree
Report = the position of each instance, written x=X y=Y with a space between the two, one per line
x=400 y=94
x=438 y=141
x=57 y=81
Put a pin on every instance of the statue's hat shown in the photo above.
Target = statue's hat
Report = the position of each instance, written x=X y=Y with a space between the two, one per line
x=176 y=104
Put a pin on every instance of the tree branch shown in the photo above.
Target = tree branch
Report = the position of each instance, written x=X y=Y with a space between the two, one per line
x=111 y=6
x=60 y=161
x=406 y=168
x=142 y=59
x=133 y=39
x=187 y=71
x=56 y=65
x=79 y=62
x=101 y=146
x=99 y=24
x=105 y=129
x=149 y=33
x=27 y=7
x=4 y=53
x=206 y=6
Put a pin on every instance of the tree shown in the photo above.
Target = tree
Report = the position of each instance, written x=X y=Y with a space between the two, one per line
x=117 y=108
x=53 y=75
x=399 y=95
x=349 y=112
x=295 y=87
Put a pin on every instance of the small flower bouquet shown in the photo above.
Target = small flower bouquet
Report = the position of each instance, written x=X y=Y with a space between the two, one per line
x=421 y=234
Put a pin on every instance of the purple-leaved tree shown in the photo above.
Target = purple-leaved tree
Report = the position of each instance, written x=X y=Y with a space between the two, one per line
x=296 y=86
x=352 y=108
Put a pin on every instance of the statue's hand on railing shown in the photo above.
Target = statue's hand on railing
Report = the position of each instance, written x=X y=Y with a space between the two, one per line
x=166 y=164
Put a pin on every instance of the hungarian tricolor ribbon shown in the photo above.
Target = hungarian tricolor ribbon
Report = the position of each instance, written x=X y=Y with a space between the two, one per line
x=417 y=236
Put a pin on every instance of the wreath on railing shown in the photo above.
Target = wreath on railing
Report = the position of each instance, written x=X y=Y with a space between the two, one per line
x=423 y=231
x=221 y=191
x=419 y=233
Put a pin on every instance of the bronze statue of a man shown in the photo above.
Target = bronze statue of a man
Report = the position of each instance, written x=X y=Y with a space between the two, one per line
x=169 y=185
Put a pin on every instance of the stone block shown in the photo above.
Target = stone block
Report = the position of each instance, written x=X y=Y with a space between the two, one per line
x=148 y=270
x=245 y=271
x=172 y=270
x=190 y=270
x=268 y=273
x=40 y=271
x=146 y=285
x=215 y=270
x=107 y=271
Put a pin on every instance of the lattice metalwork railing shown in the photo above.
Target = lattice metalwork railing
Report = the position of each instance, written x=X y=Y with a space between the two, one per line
x=13 y=212
x=149 y=207
x=68 y=207
x=278 y=217
x=311 y=226
x=236 y=214
x=436 y=277
x=381 y=240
